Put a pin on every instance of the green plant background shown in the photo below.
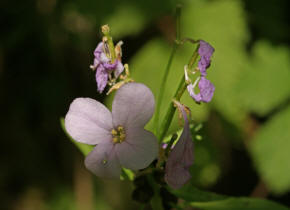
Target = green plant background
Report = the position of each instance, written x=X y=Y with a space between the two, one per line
x=45 y=51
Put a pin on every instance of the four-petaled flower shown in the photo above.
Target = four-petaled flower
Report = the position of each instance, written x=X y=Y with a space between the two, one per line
x=181 y=157
x=104 y=66
x=120 y=137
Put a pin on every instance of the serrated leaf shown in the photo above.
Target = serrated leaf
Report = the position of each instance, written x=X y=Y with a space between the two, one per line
x=270 y=151
x=84 y=148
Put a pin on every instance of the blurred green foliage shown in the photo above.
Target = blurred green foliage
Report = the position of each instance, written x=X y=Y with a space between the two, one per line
x=270 y=151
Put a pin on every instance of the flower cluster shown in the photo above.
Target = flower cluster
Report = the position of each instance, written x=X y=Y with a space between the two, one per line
x=206 y=88
x=119 y=137
x=105 y=65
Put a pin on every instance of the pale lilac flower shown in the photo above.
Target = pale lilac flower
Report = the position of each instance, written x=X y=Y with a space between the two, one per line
x=206 y=90
x=120 y=137
x=181 y=157
x=205 y=51
x=104 y=67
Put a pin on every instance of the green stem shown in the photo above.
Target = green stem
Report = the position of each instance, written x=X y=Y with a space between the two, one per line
x=162 y=87
x=166 y=73
x=156 y=202
x=169 y=145
x=178 y=15
x=180 y=90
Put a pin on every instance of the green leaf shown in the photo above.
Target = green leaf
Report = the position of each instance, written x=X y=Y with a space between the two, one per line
x=84 y=148
x=270 y=151
x=265 y=83
x=208 y=200
x=191 y=193
x=127 y=174
x=241 y=203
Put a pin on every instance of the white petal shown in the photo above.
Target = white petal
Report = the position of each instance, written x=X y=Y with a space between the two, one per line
x=138 y=150
x=103 y=162
x=133 y=105
x=119 y=69
x=88 y=121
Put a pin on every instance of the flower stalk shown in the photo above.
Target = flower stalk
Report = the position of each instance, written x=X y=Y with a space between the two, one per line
x=180 y=90
x=166 y=73
x=109 y=40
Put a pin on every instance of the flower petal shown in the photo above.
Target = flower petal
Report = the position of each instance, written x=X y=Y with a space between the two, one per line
x=103 y=162
x=133 y=105
x=138 y=150
x=88 y=121
x=119 y=69
x=206 y=89
x=102 y=77
x=196 y=97
x=181 y=157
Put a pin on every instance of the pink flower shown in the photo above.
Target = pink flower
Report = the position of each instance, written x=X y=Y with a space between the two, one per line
x=120 y=137
x=104 y=67
x=181 y=157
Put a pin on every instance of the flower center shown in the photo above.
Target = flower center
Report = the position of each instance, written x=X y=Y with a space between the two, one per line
x=118 y=134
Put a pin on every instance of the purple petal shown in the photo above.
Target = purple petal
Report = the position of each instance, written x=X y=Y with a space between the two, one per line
x=203 y=63
x=99 y=49
x=138 y=150
x=102 y=78
x=103 y=58
x=103 y=162
x=133 y=105
x=206 y=89
x=181 y=157
x=110 y=66
x=196 y=97
x=88 y=121
x=205 y=51
x=119 y=69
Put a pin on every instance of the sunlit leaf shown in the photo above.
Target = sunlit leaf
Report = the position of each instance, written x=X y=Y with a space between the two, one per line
x=270 y=151
x=265 y=83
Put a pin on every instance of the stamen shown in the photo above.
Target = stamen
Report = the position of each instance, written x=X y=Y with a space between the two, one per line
x=118 y=134
x=114 y=132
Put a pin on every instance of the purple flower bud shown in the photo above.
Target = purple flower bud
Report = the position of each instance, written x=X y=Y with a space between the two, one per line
x=206 y=90
x=104 y=66
x=181 y=157
x=205 y=51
